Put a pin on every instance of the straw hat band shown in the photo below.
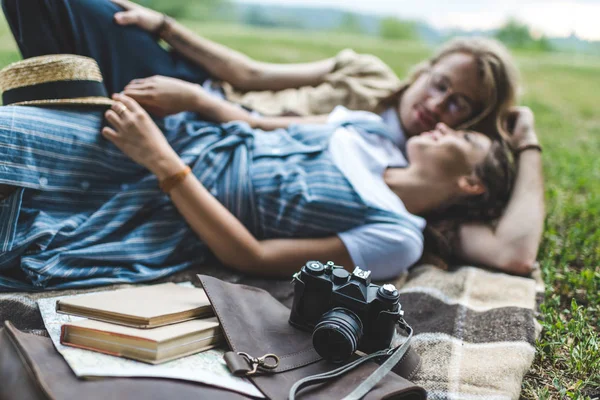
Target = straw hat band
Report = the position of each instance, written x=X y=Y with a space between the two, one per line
x=54 y=80
x=55 y=90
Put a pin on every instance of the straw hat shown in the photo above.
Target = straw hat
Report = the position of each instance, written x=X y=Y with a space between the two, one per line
x=60 y=79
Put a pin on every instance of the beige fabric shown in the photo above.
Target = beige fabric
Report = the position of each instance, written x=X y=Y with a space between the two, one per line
x=455 y=369
x=450 y=287
x=358 y=82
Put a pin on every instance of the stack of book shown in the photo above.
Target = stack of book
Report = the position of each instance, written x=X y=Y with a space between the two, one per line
x=153 y=324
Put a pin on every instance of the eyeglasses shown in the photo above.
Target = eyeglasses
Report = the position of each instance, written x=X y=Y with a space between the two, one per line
x=457 y=104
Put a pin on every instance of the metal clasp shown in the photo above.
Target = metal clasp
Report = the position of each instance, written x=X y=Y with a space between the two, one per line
x=260 y=362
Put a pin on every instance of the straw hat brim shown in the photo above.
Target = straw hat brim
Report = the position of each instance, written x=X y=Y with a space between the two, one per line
x=81 y=101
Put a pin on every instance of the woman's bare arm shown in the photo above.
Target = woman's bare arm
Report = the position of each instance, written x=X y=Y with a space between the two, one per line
x=164 y=96
x=134 y=132
x=513 y=244
x=240 y=70
x=220 y=61
x=236 y=247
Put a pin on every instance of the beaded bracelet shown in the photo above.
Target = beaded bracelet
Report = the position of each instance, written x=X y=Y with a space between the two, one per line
x=168 y=184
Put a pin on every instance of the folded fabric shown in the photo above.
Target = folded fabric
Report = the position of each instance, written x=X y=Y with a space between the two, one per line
x=359 y=81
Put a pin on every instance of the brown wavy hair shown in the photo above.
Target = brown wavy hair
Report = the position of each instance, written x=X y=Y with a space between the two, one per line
x=497 y=174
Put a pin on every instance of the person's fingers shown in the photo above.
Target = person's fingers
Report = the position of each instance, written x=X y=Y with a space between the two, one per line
x=138 y=82
x=113 y=119
x=131 y=104
x=138 y=87
x=110 y=133
x=117 y=106
x=126 y=18
x=147 y=83
x=120 y=109
x=139 y=95
x=147 y=103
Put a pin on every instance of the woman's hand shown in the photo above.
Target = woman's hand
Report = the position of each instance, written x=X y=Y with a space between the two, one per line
x=134 y=14
x=520 y=125
x=134 y=132
x=164 y=96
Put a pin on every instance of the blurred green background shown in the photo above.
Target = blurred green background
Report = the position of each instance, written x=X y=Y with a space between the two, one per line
x=562 y=86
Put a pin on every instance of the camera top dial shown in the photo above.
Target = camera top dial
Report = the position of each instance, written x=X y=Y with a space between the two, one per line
x=314 y=268
x=388 y=292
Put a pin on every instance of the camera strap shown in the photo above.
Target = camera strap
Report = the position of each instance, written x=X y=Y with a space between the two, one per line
x=394 y=354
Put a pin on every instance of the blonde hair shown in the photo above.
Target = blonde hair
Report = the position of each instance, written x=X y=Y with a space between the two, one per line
x=497 y=71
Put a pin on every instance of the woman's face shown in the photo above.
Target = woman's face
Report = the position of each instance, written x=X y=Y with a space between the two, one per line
x=450 y=92
x=447 y=154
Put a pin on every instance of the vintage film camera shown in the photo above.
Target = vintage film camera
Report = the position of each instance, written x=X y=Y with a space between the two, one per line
x=345 y=312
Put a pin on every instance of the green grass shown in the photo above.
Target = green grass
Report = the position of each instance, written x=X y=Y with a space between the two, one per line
x=564 y=93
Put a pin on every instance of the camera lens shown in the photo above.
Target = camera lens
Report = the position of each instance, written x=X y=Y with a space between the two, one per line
x=337 y=334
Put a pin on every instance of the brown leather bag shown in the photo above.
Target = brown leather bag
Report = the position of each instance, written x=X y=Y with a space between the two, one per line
x=262 y=328
x=252 y=320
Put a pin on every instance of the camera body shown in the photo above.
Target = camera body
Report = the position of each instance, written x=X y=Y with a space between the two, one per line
x=346 y=312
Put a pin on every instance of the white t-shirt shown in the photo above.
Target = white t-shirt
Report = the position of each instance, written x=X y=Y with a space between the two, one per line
x=384 y=249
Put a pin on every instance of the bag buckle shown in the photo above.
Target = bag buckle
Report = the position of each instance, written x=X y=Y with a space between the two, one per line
x=260 y=362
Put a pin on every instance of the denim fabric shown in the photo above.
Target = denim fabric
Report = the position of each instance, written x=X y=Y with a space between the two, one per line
x=85 y=214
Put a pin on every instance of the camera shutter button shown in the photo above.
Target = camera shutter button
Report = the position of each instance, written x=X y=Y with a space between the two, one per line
x=340 y=276
x=389 y=291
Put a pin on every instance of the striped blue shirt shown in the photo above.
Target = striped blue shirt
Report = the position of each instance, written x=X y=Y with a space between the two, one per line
x=85 y=214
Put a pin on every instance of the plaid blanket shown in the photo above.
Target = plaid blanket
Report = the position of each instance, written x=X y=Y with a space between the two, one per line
x=475 y=329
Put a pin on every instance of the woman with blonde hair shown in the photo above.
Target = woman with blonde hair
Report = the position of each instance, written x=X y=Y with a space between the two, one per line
x=469 y=83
